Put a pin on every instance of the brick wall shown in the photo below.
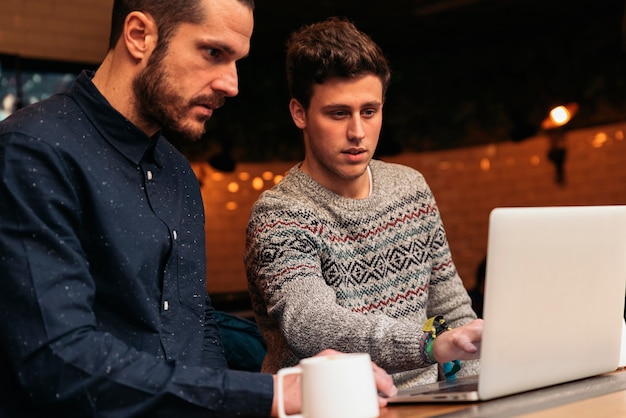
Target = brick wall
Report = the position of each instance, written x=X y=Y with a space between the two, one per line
x=65 y=30
x=467 y=184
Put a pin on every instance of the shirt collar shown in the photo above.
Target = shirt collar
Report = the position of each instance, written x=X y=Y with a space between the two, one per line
x=121 y=133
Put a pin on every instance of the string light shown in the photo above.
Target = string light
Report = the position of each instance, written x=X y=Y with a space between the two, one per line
x=257 y=183
x=233 y=187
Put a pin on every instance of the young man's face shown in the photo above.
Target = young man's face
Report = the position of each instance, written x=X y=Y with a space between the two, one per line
x=341 y=129
x=181 y=87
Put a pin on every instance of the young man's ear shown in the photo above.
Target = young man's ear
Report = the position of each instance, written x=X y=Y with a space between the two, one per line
x=298 y=113
x=140 y=35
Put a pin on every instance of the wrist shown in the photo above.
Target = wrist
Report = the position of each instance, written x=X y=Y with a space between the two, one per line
x=429 y=349
x=432 y=328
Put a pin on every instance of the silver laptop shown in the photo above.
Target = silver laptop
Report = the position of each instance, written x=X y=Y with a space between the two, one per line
x=554 y=302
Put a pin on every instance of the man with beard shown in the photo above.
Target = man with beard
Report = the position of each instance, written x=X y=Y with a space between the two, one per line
x=103 y=309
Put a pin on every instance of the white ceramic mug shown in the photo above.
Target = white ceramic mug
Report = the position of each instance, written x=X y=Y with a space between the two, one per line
x=333 y=386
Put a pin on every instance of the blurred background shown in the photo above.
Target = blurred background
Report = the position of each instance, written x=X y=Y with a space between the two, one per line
x=465 y=72
x=473 y=82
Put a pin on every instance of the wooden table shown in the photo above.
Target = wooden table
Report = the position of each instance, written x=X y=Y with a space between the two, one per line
x=596 y=397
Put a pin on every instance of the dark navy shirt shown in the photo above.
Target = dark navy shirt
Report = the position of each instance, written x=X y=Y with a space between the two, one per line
x=103 y=307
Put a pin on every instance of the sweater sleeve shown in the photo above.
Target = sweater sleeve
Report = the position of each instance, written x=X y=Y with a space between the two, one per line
x=447 y=295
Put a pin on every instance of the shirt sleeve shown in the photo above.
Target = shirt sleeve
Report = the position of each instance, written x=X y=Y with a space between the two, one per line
x=48 y=329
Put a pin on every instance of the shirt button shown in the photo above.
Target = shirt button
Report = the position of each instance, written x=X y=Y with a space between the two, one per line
x=149 y=175
x=175 y=235
x=166 y=305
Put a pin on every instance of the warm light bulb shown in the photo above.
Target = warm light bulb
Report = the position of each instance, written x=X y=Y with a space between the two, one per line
x=257 y=183
x=560 y=115
x=599 y=140
x=233 y=187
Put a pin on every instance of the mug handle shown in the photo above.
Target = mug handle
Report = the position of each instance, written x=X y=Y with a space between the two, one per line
x=280 y=397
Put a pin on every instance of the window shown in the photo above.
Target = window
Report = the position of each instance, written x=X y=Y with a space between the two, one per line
x=25 y=81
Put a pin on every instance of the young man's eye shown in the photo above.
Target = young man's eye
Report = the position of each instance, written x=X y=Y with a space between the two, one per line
x=214 y=53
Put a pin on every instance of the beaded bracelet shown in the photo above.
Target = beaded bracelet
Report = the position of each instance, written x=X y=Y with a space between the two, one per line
x=429 y=349
x=435 y=326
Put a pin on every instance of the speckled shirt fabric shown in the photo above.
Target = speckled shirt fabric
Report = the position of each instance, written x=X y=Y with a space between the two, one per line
x=356 y=275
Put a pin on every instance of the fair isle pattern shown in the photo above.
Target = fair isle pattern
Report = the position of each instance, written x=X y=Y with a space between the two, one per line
x=354 y=275
x=367 y=273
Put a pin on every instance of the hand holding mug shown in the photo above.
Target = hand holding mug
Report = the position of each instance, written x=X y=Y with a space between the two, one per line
x=334 y=384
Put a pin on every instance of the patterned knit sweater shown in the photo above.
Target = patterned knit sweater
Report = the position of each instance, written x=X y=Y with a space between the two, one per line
x=356 y=275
